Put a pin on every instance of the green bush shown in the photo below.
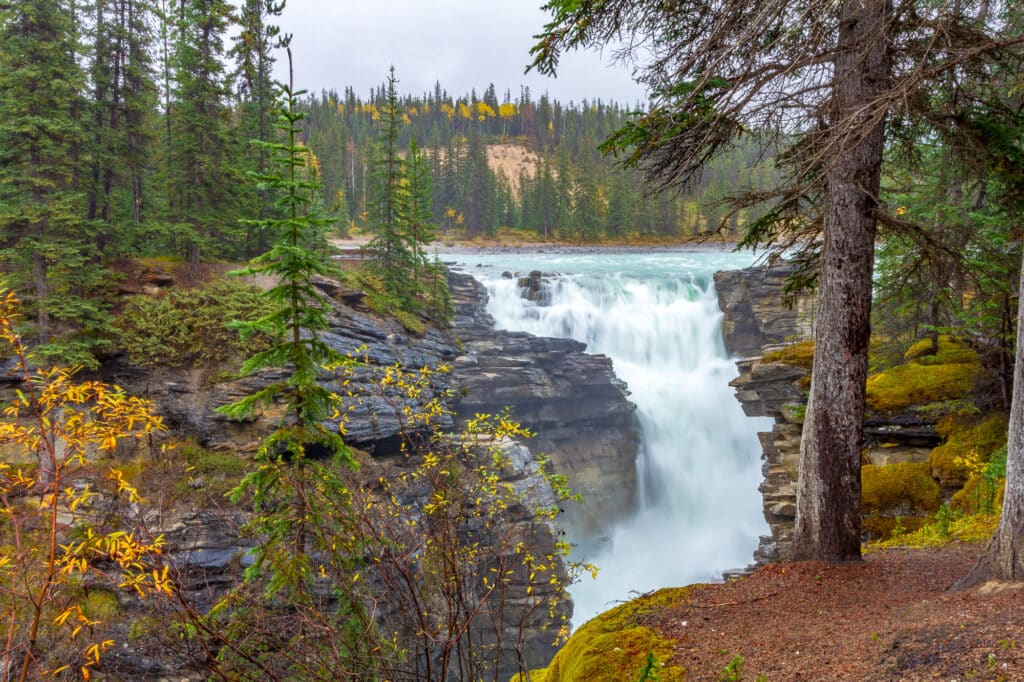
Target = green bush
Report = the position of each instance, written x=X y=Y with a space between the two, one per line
x=191 y=326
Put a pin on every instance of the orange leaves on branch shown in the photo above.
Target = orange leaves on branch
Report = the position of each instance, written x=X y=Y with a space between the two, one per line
x=63 y=422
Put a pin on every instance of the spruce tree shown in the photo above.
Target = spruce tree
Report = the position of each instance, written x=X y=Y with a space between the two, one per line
x=391 y=244
x=415 y=206
x=120 y=126
x=202 y=174
x=252 y=51
x=480 y=196
x=46 y=240
x=298 y=318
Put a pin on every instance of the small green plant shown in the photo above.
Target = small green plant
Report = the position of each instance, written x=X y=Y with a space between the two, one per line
x=650 y=670
x=991 y=662
x=898 y=528
x=942 y=519
x=1007 y=644
x=992 y=476
x=733 y=672
x=192 y=326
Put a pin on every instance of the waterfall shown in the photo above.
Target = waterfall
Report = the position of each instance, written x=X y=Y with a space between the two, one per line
x=699 y=467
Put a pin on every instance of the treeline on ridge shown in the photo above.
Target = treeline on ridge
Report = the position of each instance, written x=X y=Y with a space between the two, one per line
x=561 y=185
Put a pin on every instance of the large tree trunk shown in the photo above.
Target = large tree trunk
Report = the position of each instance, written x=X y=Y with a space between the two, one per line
x=1004 y=557
x=828 y=489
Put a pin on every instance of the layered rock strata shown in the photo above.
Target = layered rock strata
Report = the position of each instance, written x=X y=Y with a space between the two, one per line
x=570 y=399
x=756 y=322
x=758 y=313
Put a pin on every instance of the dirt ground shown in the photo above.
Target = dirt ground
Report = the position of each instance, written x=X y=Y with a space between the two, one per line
x=889 y=617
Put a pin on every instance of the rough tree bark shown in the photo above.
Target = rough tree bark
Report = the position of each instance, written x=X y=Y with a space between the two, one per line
x=1004 y=557
x=828 y=489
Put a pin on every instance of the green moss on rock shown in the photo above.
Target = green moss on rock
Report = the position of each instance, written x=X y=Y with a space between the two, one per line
x=946 y=375
x=613 y=646
x=970 y=443
x=797 y=354
x=920 y=349
x=902 y=489
x=100 y=604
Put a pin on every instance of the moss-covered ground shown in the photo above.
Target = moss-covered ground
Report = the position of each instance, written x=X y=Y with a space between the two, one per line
x=614 y=646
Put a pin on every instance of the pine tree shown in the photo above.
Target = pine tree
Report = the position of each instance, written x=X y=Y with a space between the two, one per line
x=298 y=318
x=121 y=125
x=391 y=243
x=202 y=176
x=415 y=206
x=252 y=53
x=46 y=240
x=480 y=195
x=587 y=201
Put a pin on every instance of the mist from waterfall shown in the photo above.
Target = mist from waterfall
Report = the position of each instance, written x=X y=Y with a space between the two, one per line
x=656 y=316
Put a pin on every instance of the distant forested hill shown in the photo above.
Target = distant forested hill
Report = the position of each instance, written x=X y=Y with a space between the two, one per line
x=520 y=162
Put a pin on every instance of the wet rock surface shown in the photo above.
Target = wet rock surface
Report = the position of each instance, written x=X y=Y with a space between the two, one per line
x=570 y=399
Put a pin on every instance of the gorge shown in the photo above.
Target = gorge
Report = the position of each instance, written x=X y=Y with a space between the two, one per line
x=616 y=362
x=697 y=511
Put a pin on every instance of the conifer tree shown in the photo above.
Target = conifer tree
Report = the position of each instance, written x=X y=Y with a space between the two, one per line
x=202 y=178
x=45 y=237
x=825 y=78
x=298 y=318
x=121 y=123
x=415 y=206
x=391 y=244
x=252 y=51
x=480 y=199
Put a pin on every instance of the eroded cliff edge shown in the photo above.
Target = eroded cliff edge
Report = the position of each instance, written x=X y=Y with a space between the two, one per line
x=756 y=318
x=572 y=400
x=770 y=335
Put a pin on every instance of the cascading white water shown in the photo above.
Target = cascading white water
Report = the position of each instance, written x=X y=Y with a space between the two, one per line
x=657 y=318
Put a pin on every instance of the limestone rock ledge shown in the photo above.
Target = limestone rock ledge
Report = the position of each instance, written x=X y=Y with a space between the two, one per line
x=570 y=399
x=756 y=321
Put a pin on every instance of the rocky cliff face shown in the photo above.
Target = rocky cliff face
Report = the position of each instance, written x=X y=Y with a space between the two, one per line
x=570 y=399
x=756 y=323
x=755 y=318
x=755 y=315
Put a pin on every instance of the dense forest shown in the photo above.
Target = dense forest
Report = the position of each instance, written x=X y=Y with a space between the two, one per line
x=876 y=145
x=567 y=188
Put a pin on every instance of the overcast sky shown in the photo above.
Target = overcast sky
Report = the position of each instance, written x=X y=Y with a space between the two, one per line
x=463 y=44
